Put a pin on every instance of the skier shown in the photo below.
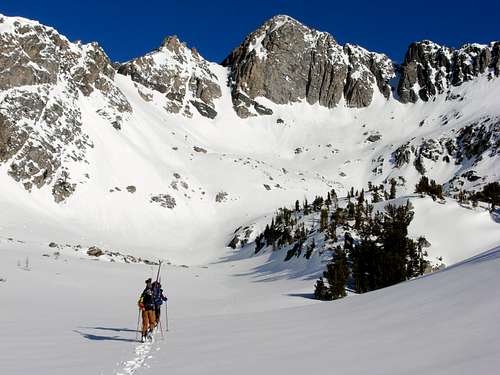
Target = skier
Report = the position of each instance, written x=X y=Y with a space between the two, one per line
x=147 y=306
x=159 y=298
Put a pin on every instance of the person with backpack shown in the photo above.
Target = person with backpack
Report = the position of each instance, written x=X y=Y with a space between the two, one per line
x=159 y=298
x=147 y=306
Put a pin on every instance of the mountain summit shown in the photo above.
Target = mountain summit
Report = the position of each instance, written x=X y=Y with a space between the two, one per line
x=169 y=139
x=285 y=62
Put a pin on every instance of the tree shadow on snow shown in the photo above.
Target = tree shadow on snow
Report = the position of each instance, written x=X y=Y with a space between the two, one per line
x=92 y=337
x=275 y=268
x=495 y=215
x=302 y=295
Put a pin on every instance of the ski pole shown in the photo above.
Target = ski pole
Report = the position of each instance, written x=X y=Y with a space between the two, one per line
x=161 y=328
x=166 y=313
x=138 y=318
x=166 y=304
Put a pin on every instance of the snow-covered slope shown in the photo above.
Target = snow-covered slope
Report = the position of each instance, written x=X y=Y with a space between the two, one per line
x=454 y=232
x=167 y=155
x=89 y=156
x=69 y=315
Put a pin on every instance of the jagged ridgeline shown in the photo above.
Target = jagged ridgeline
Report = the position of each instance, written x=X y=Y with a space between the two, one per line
x=51 y=89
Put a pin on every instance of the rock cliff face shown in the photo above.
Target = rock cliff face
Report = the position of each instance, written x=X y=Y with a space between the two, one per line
x=285 y=62
x=49 y=87
x=430 y=69
x=43 y=75
x=181 y=74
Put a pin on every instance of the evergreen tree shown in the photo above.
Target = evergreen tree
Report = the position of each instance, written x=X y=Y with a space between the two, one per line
x=490 y=194
x=328 y=201
x=422 y=186
x=392 y=194
x=332 y=231
x=259 y=244
x=339 y=216
x=336 y=274
x=358 y=216
x=310 y=249
x=431 y=188
x=334 y=199
x=297 y=206
x=267 y=235
x=306 y=207
x=321 y=291
x=375 y=195
x=348 y=242
x=361 y=197
x=413 y=261
x=317 y=203
x=350 y=211
x=395 y=243
x=323 y=221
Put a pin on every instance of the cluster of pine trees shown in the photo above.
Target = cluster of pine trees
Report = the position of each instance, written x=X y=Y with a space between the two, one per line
x=431 y=188
x=376 y=251
x=382 y=255
x=377 y=254
x=489 y=194
x=285 y=228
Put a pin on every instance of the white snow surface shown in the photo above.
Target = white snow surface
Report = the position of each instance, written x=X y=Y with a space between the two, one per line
x=255 y=161
x=242 y=156
x=230 y=311
x=77 y=316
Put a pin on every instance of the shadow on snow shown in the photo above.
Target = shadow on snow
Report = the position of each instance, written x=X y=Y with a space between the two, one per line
x=90 y=336
x=274 y=268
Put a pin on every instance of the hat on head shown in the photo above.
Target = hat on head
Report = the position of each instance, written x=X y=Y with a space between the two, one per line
x=148 y=280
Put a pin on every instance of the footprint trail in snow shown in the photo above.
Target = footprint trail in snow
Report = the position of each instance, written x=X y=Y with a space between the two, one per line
x=142 y=353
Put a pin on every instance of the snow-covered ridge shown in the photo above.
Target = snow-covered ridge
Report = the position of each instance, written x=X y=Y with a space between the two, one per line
x=181 y=75
x=79 y=141
x=430 y=69
x=102 y=174
x=44 y=77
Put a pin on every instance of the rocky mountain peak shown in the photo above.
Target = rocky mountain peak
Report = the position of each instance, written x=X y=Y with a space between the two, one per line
x=430 y=69
x=52 y=91
x=43 y=78
x=181 y=75
x=172 y=43
x=283 y=26
x=286 y=61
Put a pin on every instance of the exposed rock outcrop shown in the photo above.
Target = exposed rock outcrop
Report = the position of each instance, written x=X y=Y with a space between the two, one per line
x=285 y=62
x=95 y=251
x=164 y=200
x=430 y=69
x=43 y=78
x=183 y=77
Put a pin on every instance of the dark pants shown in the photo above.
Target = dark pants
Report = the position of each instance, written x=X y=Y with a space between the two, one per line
x=157 y=312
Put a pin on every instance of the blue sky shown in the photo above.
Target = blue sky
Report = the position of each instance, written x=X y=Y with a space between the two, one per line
x=127 y=29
